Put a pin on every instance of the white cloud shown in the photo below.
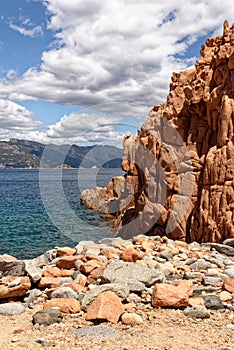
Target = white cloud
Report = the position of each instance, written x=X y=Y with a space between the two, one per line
x=80 y=128
x=4 y=134
x=114 y=51
x=16 y=117
x=32 y=32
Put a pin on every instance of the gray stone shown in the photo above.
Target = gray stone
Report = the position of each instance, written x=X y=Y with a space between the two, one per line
x=215 y=261
x=12 y=267
x=200 y=264
x=197 y=312
x=120 y=289
x=212 y=281
x=96 y=332
x=197 y=291
x=9 y=309
x=47 y=316
x=66 y=280
x=134 y=285
x=121 y=243
x=165 y=255
x=122 y=270
x=78 y=263
x=193 y=275
x=229 y=272
x=49 y=256
x=166 y=268
x=228 y=262
x=223 y=249
x=171 y=243
x=31 y=294
x=33 y=270
x=213 y=302
x=229 y=241
x=64 y=292
x=190 y=261
x=40 y=340
x=87 y=248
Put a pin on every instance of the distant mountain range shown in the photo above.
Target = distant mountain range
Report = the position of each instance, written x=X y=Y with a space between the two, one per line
x=29 y=154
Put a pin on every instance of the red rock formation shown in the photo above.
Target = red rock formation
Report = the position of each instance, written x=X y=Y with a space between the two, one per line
x=179 y=169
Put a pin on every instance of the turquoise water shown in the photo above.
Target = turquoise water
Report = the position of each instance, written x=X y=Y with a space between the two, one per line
x=40 y=209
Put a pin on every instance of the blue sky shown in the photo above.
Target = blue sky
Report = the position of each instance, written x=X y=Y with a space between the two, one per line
x=88 y=71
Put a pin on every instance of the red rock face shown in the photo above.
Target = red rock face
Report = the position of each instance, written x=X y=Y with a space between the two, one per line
x=179 y=169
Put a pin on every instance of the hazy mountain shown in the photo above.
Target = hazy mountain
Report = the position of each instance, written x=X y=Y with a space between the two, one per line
x=29 y=154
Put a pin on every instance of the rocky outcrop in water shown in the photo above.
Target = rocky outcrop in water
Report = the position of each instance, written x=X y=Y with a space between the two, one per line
x=179 y=168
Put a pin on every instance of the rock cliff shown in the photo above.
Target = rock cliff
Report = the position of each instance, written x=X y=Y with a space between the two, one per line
x=179 y=169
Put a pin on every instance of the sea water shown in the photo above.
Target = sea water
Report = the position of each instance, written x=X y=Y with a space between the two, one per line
x=40 y=209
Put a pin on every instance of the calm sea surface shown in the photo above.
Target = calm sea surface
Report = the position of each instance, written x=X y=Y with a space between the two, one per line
x=40 y=209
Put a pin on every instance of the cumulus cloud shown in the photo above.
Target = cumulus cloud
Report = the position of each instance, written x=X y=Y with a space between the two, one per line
x=16 y=117
x=81 y=128
x=114 y=56
x=32 y=32
x=116 y=51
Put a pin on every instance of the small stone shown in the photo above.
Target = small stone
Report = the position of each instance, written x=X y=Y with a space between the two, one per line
x=61 y=251
x=7 y=257
x=223 y=249
x=229 y=241
x=51 y=282
x=12 y=267
x=225 y=296
x=212 y=281
x=229 y=272
x=40 y=340
x=15 y=282
x=78 y=288
x=15 y=291
x=33 y=270
x=121 y=243
x=213 y=302
x=52 y=272
x=65 y=293
x=97 y=332
x=166 y=268
x=90 y=265
x=9 y=309
x=106 y=306
x=166 y=255
x=130 y=255
x=198 y=301
x=110 y=253
x=66 y=262
x=134 y=285
x=131 y=318
x=148 y=245
x=193 y=275
x=168 y=295
x=120 y=289
x=197 y=312
x=81 y=279
x=200 y=264
x=47 y=316
x=65 y=305
x=229 y=285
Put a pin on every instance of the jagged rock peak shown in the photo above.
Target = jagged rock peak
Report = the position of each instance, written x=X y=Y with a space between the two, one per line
x=179 y=168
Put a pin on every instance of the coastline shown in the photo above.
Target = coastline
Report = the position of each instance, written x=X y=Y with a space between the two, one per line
x=147 y=285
